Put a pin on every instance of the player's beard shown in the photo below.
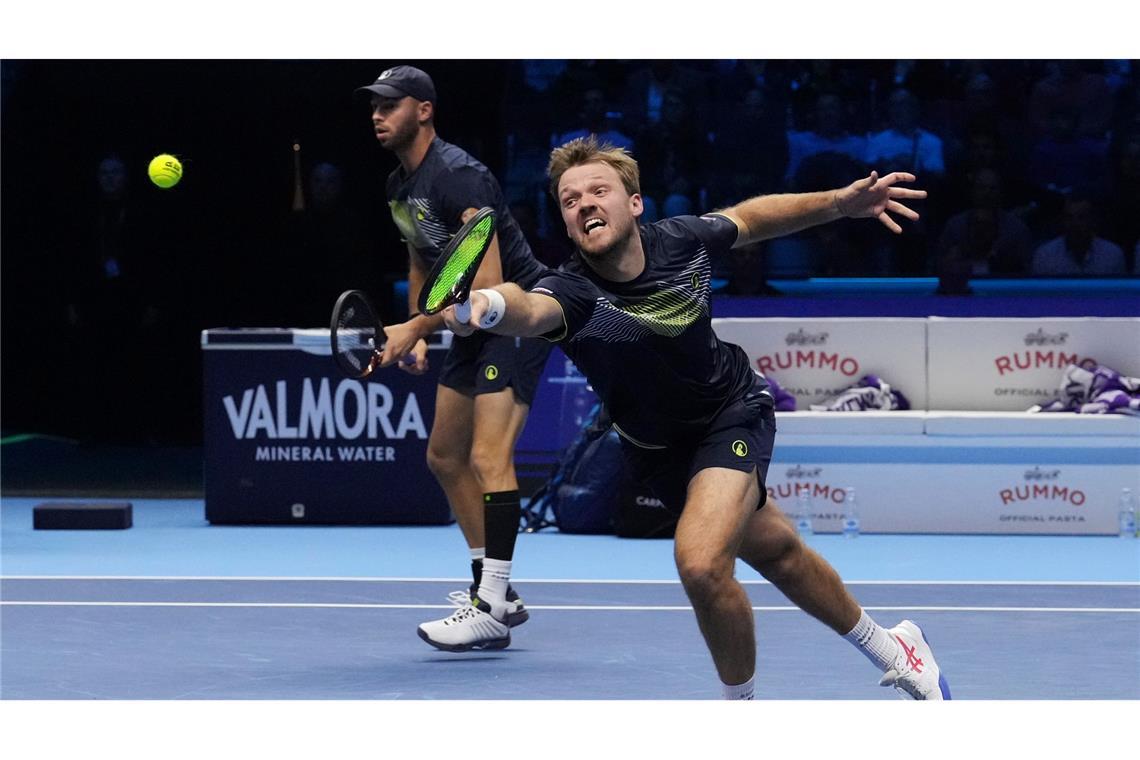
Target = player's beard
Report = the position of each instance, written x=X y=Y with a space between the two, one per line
x=612 y=253
x=401 y=137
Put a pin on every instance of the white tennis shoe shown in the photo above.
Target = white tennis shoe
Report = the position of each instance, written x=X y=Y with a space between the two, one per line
x=516 y=611
x=915 y=674
x=469 y=627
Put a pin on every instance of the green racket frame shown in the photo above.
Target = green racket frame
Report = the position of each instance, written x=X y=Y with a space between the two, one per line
x=449 y=281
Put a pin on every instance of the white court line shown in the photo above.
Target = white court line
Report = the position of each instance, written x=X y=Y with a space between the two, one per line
x=612 y=581
x=554 y=607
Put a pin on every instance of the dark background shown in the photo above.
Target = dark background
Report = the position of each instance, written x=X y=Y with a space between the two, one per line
x=222 y=248
x=117 y=359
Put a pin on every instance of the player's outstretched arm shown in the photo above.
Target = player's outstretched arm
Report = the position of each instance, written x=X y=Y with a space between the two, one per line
x=770 y=216
x=508 y=310
x=875 y=196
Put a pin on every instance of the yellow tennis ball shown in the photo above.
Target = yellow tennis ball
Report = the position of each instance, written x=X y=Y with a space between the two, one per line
x=165 y=170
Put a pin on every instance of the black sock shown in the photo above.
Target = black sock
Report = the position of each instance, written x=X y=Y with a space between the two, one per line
x=501 y=516
x=477 y=571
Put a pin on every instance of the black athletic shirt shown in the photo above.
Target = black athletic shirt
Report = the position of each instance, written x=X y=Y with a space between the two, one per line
x=647 y=345
x=427 y=207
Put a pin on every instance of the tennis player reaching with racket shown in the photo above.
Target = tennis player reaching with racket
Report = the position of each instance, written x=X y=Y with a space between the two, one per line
x=697 y=425
x=488 y=381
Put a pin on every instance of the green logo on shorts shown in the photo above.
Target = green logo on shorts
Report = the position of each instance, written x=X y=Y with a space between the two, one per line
x=740 y=448
x=491 y=372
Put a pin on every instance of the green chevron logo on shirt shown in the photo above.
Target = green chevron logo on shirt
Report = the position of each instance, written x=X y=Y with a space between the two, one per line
x=405 y=215
x=668 y=312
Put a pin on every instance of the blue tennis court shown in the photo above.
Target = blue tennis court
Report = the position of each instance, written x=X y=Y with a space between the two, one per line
x=329 y=613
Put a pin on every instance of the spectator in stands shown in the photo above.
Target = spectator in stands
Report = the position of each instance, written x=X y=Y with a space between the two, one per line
x=643 y=102
x=985 y=239
x=1118 y=73
x=1126 y=111
x=771 y=77
x=981 y=103
x=1123 y=215
x=1078 y=251
x=545 y=250
x=116 y=289
x=1071 y=85
x=332 y=253
x=677 y=154
x=993 y=101
x=1064 y=161
x=831 y=250
x=751 y=149
x=828 y=135
x=528 y=113
x=595 y=117
x=849 y=81
x=579 y=75
x=927 y=79
x=984 y=149
x=903 y=143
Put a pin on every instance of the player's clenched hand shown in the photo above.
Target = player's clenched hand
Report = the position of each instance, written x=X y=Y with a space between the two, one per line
x=874 y=196
x=478 y=304
x=401 y=341
x=416 y=362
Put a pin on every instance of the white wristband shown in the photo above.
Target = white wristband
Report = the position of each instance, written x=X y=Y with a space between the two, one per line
x=495 y=310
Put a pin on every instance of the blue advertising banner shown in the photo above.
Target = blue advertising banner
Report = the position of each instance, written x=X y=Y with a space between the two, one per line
x=562 y=403
x=289 y=439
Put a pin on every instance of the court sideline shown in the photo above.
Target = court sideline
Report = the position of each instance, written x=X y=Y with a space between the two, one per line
x=210 y=612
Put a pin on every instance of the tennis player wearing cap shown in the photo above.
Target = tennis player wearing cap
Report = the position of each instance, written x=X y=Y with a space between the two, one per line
x=488 y=381
x=631 y=308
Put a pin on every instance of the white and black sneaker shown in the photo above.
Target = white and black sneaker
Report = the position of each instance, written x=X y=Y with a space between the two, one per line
x=516 y=611
x=915 y=673
x=469 y=627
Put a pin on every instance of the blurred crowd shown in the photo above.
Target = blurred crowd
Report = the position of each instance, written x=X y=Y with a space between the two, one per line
x=1033 y=167
x=1033 y=170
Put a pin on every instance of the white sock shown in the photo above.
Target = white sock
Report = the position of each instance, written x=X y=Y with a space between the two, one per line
x=874 y=641
x=478 y=553
x=496 y=578
x=740 y=691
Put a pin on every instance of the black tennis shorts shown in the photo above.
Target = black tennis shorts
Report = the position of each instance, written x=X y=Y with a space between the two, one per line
x=740 y=438
x=486 y=363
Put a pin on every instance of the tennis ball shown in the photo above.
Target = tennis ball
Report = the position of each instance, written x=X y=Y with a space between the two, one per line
x=165 y=170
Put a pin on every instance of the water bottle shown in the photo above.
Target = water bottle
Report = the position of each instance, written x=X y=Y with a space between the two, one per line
x=850 y=514
x=1127 y=513
x=803 y=512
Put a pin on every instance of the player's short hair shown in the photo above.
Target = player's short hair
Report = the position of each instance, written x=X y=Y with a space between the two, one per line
x=588 y=150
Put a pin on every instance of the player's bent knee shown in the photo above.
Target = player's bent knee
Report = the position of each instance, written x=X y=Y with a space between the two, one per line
x=773 y=550
x=785 y=561
x=491 y=465
x=443 y=463
x=703 y=578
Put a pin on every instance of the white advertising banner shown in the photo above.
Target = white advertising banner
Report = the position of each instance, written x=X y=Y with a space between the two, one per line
x=915 y=484
x=1012 y=364
x=814 y=359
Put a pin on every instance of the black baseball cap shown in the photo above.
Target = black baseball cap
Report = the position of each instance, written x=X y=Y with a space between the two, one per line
x=399 y=81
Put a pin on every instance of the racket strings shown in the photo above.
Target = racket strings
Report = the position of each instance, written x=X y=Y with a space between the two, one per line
x=356 y=334
x=456 y=268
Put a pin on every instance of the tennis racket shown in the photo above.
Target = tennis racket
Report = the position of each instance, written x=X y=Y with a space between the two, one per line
x=357 y=334
x=450 y=278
